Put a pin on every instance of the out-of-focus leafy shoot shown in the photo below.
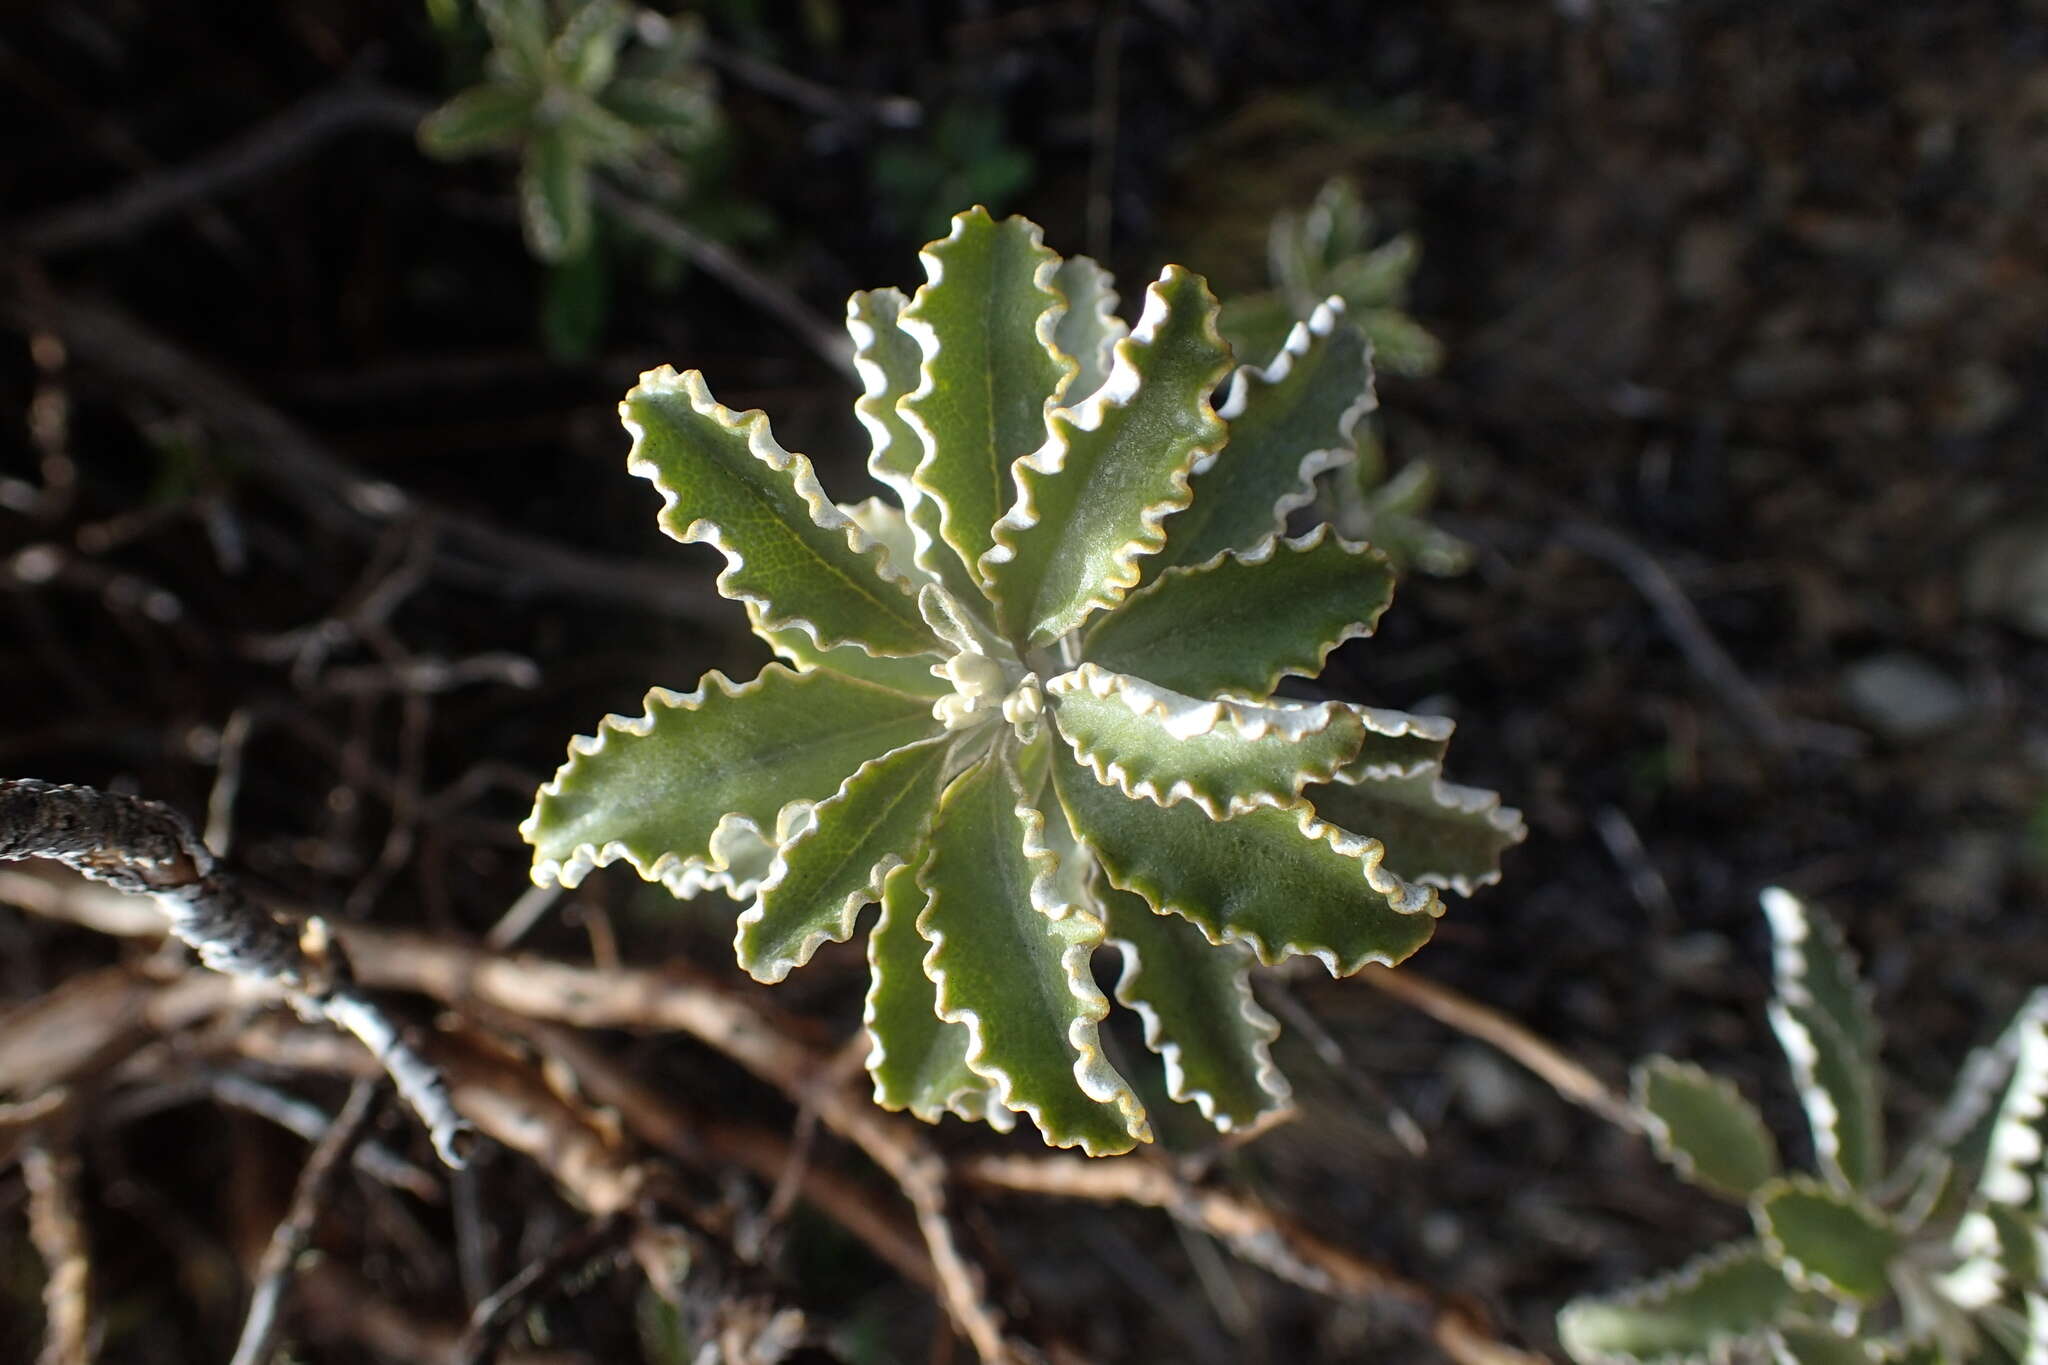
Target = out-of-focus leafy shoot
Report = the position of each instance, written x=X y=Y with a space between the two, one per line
x=1028 y=703
x=1938 y=1259
x=963 y=156
x=1328 y=251
x=572 y=89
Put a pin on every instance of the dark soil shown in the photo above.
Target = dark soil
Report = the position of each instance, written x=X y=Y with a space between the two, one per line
x=1754 y=294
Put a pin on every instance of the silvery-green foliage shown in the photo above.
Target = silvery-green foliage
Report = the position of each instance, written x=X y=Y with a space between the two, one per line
x=569 y=87
x=1327 y=251
x=1939 y=1258
x=1028 y=698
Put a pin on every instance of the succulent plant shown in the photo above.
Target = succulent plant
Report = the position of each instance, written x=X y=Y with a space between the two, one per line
x=1030 y=705
x=566 y=90
x=1939 y=1260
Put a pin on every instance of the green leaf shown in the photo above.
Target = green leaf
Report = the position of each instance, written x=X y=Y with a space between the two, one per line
x=554 y=195
x=1090 y=328
x=483 y=118
x=889 y=362
x=1826 y=1239
x=912 y=674
x=657 y=790
x=1225 y=756
x=875 y=822
x=1288 y=423
x=1195 y=999
x=1730 y=1295
x=1704 y=1128
x=1815 y=966
x=1091 y=500
x=918 y=1060
x=984 y=320
x=1957 y=1141
x=1401 y=345
x=2014 y=1163
x=1243 y=620
x=790 y=553
x=602 y=136
x=1824 y=1022
x=1802 y=1345
x=1435 y=832
x=1011 y=961
x=1398 y=744
x=574 y=302
x=519 y=33
x=586 y=51
x=1279 y=881
x=1376 y=280
x=680 y=109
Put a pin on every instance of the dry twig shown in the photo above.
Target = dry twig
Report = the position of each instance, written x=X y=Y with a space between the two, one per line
x=146 y=848
x=295 y=1233
x=56 y=1227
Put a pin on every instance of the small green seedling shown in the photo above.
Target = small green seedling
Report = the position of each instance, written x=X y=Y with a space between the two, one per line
x=570 y=88
x=1938 y=1261
x=1029 y=705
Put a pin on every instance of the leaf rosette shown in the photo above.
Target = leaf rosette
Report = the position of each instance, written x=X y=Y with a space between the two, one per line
x=1029 y=702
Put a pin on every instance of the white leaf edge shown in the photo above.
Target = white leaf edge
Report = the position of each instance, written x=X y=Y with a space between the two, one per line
x=1050 y=459
x=1096 y=300
x=1658 y=1130
x=1320 y=325
x=1650 y=1293
x=762 y=445
x=969 y=1102
x=1800 y=1274
x=1264 y=1028
x=1092 y=1071
x=778 y=969
x=1459 y=800
x=1182 y=718
x=1043 y=328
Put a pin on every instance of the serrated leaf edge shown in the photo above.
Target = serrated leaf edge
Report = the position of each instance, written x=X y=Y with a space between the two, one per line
x=927 y=338
x=1801 y=1275
x=969 y=1102
x=1049 y=460
x=779 y=968
x=762 y=445
x=1824 y=1117
x=1264 y=1027
x=1403 y=897
x=1461 y=800
x=1392 y=724
x=684 y=875
x=1097 y=1079
x=1186 y=718
x=1650 y=1293
x=1659 y=1132
x=1980 y=1085
x=1259 y=554
x=1104 y=311
x=1321 y=324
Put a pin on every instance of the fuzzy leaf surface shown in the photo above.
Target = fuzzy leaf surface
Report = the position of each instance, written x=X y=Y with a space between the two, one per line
x=1825 y=1239
x=912 y=674
x=1694 y=1313
x=791 y=555
x=1703 y=1127
x=1195 y=999
x=875 y=822
x=889 y=362
x=1011 y=962
x=1398 y=744
x=918 y=1061
x=654 y=789
x=1288 y=422
x=1241 y=621
x=554 y=195
x=1224 y=756
x=1091 y=499
x=984 y=320
x=1277 y=880
x=1818 y=1346
x=1436 y=832
x=1090 y=328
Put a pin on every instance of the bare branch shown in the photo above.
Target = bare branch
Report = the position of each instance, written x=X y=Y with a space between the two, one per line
x=146 y=848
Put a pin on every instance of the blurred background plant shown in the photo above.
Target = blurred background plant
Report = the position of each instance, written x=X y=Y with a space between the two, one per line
x=1324 y=251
